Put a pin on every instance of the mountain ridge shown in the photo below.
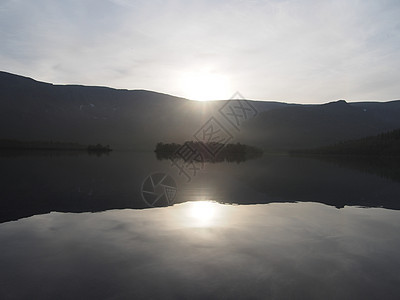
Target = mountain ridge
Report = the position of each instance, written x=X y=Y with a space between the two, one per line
x=35 y=110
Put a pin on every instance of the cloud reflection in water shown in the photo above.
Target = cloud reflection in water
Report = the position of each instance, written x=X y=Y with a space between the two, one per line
x=204 y=250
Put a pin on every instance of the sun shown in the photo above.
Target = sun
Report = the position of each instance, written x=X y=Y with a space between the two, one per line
x=205 y=85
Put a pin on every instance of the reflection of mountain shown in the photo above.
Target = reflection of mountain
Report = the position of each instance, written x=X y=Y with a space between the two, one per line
x=41 y=183
x=195 y=151
x=378 y=154
x=31 y=110
x=385 y=144
x=383 y=166
x=336 y=182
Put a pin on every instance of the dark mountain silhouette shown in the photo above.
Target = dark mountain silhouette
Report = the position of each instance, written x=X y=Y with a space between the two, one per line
x=32 y=110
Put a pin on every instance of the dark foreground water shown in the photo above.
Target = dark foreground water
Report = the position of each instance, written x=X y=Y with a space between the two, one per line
x=74 y=227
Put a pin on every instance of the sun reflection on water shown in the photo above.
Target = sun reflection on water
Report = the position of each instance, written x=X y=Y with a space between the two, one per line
x=203 y=213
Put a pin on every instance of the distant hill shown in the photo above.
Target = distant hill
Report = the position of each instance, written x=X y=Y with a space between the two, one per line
x=309 y=126
x=32 y=110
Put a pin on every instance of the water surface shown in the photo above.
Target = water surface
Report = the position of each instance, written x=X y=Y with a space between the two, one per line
x=268 y=251
x=75 y=226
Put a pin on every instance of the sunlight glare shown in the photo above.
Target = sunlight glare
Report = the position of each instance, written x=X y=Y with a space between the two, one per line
x=204 y=86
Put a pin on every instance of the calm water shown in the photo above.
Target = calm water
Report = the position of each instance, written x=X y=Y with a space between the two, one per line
x=74 y=227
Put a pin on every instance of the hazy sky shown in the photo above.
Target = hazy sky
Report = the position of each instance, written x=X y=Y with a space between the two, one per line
x=294 y=51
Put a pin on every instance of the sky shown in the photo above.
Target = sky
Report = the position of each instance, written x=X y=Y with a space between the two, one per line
x=285 y=50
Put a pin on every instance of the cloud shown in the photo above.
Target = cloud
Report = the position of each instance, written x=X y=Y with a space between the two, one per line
x=298 y=51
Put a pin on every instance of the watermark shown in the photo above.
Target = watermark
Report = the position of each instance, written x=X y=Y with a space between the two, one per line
x=158 y=190
x=188 y=159
x=237 y=110
x=212 y=136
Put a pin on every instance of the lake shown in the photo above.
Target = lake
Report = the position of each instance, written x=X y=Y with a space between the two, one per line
x=78 y=226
